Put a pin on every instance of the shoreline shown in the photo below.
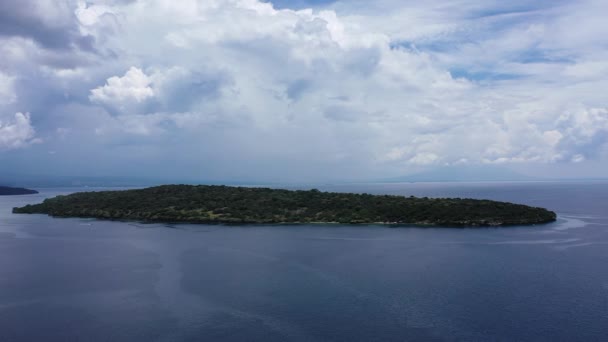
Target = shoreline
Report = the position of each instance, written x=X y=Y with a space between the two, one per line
x=277 y=224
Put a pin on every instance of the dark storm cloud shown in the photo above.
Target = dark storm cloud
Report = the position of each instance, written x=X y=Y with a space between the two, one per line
x=26 y=19
x=182 y=92
x=296 y=89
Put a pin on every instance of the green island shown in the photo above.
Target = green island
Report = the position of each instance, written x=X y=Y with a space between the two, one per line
x=9 y=191
x=237 y=205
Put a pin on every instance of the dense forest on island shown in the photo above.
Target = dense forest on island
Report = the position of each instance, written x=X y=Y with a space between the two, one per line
x=225 y=204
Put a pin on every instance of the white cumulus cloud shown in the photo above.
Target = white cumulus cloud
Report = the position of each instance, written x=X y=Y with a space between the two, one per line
x=123 y=93
x=16 y=132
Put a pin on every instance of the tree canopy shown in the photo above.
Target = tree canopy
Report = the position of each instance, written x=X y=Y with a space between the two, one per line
x=225 y=204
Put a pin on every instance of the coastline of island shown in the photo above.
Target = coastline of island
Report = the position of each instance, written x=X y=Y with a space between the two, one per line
x=10 y=191
x=242 y=205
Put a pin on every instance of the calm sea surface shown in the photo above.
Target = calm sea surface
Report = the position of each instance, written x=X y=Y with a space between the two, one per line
x=89 y=280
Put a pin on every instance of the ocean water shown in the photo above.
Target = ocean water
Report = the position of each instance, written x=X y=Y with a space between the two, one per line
x=89 y=280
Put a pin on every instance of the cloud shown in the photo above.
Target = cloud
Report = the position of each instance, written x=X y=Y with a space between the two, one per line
x=374 y=87
x=392 y=96
x=7 y=92
x=126 y=92
x=52 y=24
x=16 y=132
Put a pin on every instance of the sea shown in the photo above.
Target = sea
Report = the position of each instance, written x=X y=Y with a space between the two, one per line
x=70 y=279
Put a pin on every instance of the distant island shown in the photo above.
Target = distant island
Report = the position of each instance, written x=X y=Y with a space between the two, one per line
x=8 y=191
x=226 y=204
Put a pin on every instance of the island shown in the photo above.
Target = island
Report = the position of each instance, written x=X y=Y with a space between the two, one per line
x=244 y=205
x=8 y=191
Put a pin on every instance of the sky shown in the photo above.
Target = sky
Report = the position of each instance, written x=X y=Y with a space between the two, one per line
x=302 y=90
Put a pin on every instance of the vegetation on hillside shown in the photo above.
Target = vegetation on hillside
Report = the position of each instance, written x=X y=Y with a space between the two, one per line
x=224 y=204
